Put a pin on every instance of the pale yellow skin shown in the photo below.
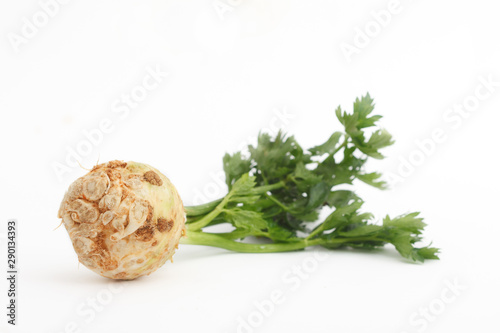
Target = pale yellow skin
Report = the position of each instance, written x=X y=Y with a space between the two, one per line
x=124 y=219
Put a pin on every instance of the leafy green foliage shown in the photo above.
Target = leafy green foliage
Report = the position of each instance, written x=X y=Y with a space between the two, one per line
x=357 y=121
x=245 y=219
x=234 y=166
x=278 y=191
x=329 y=147
x=243 y=185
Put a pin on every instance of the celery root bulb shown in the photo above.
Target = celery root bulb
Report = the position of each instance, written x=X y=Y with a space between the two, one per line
x=125 y=220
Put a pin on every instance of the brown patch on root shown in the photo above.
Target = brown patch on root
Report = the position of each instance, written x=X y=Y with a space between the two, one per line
x=126 y=192
x=116 y=164
x=145 y=234
x=153 y=178
x=112 y=164
x=120 y=276
x=149 y=218
x=102 y=254
x=163 y=225
x=113 y=174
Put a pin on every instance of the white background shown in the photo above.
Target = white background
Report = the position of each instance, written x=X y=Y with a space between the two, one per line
x=230 y=75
